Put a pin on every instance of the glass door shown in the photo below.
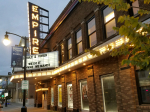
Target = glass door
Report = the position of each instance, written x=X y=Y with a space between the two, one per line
x=109 y=94
x=84 y=95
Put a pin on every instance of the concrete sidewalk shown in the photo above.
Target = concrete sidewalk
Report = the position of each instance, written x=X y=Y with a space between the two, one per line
x=15 y=107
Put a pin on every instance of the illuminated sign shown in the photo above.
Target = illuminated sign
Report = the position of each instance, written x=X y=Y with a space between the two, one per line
x=37 y=26
x=41 y=61
x=34 y=28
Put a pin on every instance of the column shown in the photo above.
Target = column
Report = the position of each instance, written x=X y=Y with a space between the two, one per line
x=74 y=48
x=55 y=96
x=63 y=95
x=84 y=35
x=75 y=93
x=65 y=50
x=48 y=98
x=98 y=21
x=91 y=90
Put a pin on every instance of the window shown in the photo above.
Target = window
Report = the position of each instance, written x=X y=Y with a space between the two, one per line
x=52 y=97
x=79 y=41
x=69 y=49
x=144 y=86
x=109 y=94
x=60 y=95
x=135 y=4
x=84 y=95
x=109 y=21
x=62 y=53
x=70 y=95
x=92 y=32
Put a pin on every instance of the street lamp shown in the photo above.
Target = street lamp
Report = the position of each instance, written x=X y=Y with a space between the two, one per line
x=6 y=42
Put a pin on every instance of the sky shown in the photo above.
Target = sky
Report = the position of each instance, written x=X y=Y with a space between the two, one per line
x=14 y=19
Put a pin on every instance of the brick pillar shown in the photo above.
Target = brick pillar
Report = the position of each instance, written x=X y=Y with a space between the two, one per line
x=84 y=35
x=35 y=96
x=91 y=90
x=39 y=99
x=63 y=94
x=55 y=96
x=75 y=93
x=97 y=24
x=127 y=87
x=74 y=48
x=48 y=98
x=65 y=50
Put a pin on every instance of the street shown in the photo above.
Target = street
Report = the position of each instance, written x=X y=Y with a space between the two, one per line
x=16 y=107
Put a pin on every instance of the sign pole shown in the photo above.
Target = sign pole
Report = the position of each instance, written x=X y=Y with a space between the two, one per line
x=24 y=108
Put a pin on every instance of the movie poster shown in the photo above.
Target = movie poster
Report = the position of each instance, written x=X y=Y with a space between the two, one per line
x=70 y=96
x=52 y=96
x=84 y=92
x=60 y=95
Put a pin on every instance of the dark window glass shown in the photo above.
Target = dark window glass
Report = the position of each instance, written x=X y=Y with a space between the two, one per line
x=144 y=86
x=69 y=49
x=109 y=21
x=92 y=32
x=135 y=4
x=79 y=41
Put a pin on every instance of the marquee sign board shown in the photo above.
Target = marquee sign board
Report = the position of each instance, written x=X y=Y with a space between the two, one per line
x=36 y=26
x=41 y=61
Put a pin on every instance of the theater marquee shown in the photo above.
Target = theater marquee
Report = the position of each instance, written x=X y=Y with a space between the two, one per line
x=36 y=26
x=41 y=61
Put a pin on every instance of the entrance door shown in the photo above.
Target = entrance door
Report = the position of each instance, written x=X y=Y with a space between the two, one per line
x=109 y=94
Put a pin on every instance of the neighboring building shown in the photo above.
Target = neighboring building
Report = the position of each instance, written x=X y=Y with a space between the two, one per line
x=83 y=82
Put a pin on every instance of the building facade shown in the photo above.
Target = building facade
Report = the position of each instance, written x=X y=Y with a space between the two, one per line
x=86 y=83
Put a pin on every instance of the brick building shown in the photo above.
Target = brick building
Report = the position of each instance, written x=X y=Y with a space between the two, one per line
x=87 y=83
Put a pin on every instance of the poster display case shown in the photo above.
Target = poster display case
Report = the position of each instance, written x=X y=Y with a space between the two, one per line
x=52 y=96
x=60 y=95
x=84 y=95
x=70 y=95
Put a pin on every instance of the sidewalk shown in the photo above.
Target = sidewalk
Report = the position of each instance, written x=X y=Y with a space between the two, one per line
x=15 y=107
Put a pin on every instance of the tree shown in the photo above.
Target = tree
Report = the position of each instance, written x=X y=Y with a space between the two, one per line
x=138 y=33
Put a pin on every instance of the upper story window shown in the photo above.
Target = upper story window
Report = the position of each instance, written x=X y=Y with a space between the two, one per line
x=62 y=53
x=109 y=21
x=92 y=32
x=144 y=86
x=135 y=4
x=79 y=41
x=69 y=49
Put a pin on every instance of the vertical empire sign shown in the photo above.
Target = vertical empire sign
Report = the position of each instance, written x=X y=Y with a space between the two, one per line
x=36 y=24
x=34 y=35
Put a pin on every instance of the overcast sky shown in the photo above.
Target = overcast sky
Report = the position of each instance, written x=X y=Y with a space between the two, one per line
x=14 y=19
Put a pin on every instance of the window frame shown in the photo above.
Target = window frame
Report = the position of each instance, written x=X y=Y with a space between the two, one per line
x=77 y=43
x=93 y=17
x=104 y=24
